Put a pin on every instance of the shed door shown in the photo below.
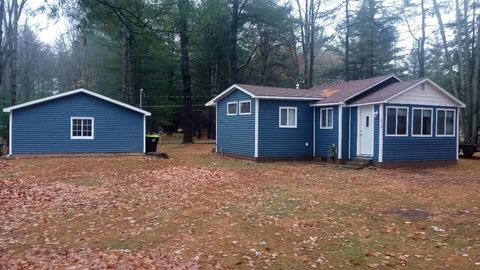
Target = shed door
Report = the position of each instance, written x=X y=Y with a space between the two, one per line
x=365 y=131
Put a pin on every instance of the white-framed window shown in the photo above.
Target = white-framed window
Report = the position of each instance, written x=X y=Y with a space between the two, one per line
x=397 y=121
x=445 y=122
x=326 y=118
x=422 y=122
x=81 y=127
x=245 y=107
x=287 y=117
x=232 y=108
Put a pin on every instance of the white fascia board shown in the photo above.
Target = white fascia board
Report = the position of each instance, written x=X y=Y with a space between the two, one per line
x=287 y=98
x=213 y=102
x=327 y=104
x=81 y=90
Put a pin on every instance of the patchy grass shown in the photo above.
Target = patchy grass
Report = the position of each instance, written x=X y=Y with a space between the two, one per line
x=201 y=210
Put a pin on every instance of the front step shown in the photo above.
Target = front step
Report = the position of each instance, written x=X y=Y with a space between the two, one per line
x=357 y=163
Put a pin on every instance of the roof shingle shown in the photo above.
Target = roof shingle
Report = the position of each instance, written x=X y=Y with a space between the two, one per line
x=387 y=92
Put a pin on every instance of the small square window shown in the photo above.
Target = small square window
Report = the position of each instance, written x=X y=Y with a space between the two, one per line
x=245 y=107
x=326 y=118
x=288 y=117
x=81 y=128
x=232 y=108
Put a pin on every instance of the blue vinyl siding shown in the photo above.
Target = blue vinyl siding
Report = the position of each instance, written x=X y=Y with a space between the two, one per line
x=353 y=141
x=345 y=131
x=285 y=142
x=419 y=148
x=44 y=128
x=325 y=137
x=236 y=133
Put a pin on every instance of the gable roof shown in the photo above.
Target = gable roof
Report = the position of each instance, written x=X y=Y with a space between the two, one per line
x=256 y=91
x=337 y=93
x=324 y=94
x=73 y=92
x=391 y=91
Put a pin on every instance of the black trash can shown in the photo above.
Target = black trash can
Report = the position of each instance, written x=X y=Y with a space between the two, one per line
x=151 y=141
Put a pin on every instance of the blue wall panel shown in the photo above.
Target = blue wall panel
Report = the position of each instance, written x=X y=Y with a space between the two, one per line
x=236 y=133
x=285 y=142
x=44 y=128
x=419 y=148
x=325 y=137
x=376 y=131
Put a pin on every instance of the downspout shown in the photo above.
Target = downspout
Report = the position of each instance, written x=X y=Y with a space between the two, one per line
x=10 y=141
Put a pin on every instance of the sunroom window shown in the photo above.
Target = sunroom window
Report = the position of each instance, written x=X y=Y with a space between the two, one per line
x=422 y=122
x=397 y=121
x=445 y=122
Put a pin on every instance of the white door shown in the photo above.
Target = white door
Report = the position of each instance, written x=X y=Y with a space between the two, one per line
x=365 y=131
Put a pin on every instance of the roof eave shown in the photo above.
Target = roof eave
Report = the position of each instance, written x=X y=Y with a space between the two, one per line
x=76 y=91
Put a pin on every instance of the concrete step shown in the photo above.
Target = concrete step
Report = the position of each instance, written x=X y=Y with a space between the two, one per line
x=357 y=163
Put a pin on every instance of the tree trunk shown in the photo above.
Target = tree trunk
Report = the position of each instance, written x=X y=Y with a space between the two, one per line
x=233 y=57
x=475 y=91
x=445 y=48
x=13 y=54
x=421 y=56
x=370 y=60
x=126 y=65
x=2 y=16
x=183 y=6
x=347 y=41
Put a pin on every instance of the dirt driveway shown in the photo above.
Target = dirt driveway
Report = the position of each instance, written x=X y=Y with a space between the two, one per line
x=196 y=210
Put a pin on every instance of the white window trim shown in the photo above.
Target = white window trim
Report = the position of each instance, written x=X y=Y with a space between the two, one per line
x=396 y=116
x=421 y=122
x=236 y=108
x=240 y=107
x=445 y=123
x=322 y=110
x=81 y=137
x=280 y=117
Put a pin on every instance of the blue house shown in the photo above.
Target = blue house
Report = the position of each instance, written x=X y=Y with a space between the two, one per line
x=78 y=121
x=384 y=119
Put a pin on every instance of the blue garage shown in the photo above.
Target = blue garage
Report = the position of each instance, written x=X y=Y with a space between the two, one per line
x=78 y=121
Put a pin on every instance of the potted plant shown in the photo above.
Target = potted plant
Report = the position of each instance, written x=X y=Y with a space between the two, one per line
x=332 y=153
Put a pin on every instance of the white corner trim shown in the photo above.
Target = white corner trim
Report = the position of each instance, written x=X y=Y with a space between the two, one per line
x=240 y=107
x=349 y=132
x=10 y=129
x=314 y=133
x=280 y=117
x=81 y=90
x=380 y=133
x=143 y=135
x=340 y=127
x=257 y=107
x=82 y=137
x=456 y=132
x=236 y=108
x=216 y=128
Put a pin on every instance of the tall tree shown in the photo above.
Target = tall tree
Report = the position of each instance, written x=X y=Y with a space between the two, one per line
x=183 y=8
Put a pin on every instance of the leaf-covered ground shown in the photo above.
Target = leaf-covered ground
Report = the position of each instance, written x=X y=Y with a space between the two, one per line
x=196 y=210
